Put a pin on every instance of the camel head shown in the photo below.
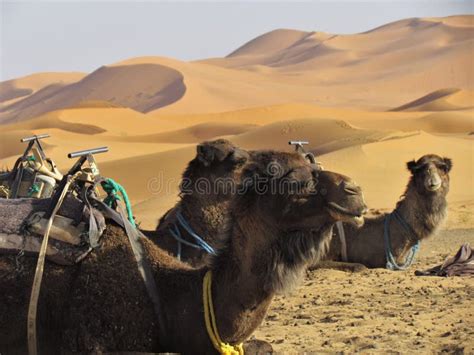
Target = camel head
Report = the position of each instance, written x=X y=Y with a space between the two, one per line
x=430 y=174
x=291 y=192
x=287 y=208
x=343 y=198
x=220 y=151
x=216 y=164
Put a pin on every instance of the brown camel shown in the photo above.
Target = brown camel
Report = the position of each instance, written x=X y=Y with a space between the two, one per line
x=101 y=304
x=417 y=216
x=208 y=185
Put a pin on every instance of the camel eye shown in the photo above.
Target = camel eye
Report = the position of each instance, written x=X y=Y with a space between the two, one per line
x=442 y=166
x=420 y=168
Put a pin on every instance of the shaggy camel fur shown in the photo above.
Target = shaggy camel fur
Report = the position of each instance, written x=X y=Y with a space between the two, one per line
x=207 y=186
x=423 y=206
x=101 y=304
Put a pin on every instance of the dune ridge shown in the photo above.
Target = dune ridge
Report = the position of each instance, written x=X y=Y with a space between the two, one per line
x=364 y=70
x=449 y=99
x=20 y=88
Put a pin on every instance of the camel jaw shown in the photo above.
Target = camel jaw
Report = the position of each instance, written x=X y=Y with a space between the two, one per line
x=345 y=215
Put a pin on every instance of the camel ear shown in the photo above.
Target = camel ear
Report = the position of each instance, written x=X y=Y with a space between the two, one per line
x=240 y=156
x=411 y=165
x=207 y=153
x=449 y=164
x=204 y=154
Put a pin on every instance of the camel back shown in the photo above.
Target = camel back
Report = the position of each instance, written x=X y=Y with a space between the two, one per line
x=77 y=225
x=23 y=224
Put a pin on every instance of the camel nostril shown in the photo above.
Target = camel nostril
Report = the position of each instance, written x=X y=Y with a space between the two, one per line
x=365 y=210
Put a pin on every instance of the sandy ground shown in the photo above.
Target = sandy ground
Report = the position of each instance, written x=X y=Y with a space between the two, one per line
x=378 y=311
x=367 y=103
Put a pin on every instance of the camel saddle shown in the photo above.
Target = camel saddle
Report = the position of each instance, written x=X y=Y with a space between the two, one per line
x=23 y=222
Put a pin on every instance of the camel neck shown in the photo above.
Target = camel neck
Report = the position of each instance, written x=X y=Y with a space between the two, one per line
x=240 y=301
x=423 y=215
x=205 y=216
x=258 y=262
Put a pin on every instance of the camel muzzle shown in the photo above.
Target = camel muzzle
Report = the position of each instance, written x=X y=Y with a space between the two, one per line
x=433 y=182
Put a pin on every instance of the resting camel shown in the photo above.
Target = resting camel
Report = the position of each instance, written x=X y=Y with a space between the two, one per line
x=417 y=216
x=208 y=185
x=101 y=304
x=423 y=203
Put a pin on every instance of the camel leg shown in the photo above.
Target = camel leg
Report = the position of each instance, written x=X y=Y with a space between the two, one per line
x=339 y=265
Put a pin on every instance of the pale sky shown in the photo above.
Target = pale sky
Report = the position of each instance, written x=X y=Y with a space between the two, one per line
x=38 y=36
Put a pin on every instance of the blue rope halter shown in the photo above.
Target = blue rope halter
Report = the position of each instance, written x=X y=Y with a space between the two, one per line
x=199 y=244
x=391 y=262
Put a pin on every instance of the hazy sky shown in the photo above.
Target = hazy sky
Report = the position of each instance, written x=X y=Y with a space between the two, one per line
x=81 y=36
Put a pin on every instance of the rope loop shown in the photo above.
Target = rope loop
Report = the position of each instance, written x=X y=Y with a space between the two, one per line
x=199 y=242
x=113 y=189
x=391 y=260
x=210 y=320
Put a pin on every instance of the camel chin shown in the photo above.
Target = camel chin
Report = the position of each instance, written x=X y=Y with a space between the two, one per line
x=343 y=215
x=357 y=221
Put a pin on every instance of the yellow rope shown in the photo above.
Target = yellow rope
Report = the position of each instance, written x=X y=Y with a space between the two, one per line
x=210 y=318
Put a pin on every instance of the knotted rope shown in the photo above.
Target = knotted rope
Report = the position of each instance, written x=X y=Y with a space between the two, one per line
x=33 y=189
x=113 y=189
x=210 y=319
x=391 y=261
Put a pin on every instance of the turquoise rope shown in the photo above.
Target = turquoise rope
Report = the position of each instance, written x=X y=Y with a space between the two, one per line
x=391 y=260
x=113 y=189
x=33 y=189
x=200 y=243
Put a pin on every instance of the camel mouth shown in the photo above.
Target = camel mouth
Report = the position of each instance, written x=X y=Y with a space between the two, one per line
x=343 y=214
x=433 y=187
x=344 y=211
x=358 y=221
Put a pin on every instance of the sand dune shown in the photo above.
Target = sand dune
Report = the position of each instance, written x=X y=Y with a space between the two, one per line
x=440 y=122
x=12 y=147
x=283 y=47
x=16 y=89
x=195 y=134
x=364 y=70
x=270 y=42
x=142 y=87
x=441 y=100
x=323 y=134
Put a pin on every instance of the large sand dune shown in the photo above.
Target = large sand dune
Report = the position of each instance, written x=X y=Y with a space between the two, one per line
x=441 y=100
x=17 y=89
x=365 y=70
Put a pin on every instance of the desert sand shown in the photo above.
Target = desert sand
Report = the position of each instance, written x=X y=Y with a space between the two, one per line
x=366 y=102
